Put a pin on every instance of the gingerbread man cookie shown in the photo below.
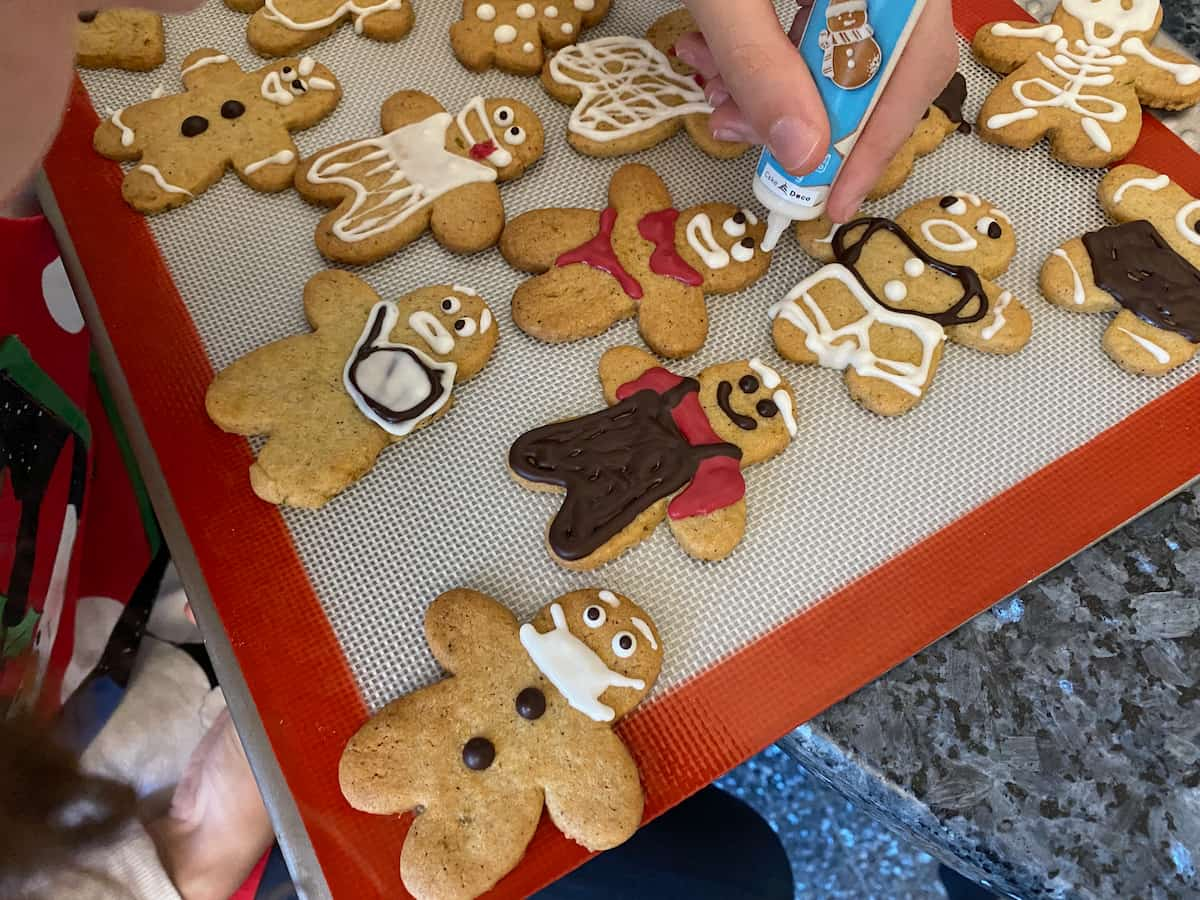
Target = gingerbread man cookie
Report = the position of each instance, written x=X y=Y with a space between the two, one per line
x=371 y=373
x=1082 y=79
x=513 y=35
x=897 y=290
x=525 y=722
x=284 y=27
x=429 y=169
x=852 y=55
x=667 y=448
x=224 y=118
x=943 y=118
x=1145 y=269
x=632 y=94
x=129 y=39
x=639 y=257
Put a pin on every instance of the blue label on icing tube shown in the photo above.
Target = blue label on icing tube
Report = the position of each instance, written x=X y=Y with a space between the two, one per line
x=850 y=47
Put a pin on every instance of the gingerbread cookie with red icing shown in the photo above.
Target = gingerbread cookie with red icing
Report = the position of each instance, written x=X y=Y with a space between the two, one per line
x=284 y=27
x=668 y=447
x=130 y=39
x=637 y=257
x=516 y=35
x=1146 y=268
x=428 y=170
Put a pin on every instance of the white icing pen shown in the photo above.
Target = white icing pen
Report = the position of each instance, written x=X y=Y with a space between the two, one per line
x=851 y=51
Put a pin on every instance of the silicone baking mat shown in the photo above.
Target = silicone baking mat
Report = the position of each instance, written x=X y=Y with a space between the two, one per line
x=867 y=539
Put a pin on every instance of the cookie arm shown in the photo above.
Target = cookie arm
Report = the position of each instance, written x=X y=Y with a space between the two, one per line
x=1163 y=78
x=268 y=164
x=713 y=536
x=534 y=240
x=467 y=629
x=594 y=794
x=205 y=63
x=621 y=365
x=1009 y=50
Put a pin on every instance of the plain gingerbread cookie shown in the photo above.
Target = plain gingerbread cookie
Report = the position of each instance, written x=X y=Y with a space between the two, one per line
x=130 y=39
x=515 y=35
x=943 y=118
x=284 y=27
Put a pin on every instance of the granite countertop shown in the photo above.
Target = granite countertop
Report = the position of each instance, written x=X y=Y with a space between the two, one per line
x=1050 y=747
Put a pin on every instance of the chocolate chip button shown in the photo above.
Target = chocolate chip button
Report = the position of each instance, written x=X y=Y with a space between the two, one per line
x=748 y=384
x=87 y=15
x=194 y=125
x=994 y=231
x=478 y=754
x=231 y=109
x=531 y=704
x=767 y=409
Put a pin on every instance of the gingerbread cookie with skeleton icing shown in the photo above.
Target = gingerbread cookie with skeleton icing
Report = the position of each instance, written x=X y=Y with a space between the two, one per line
x=668 y=447
x=638 y=257
x=428 y=170
x=1082 y=79
x=130 y=39
x=631 y=94
x=943 y=118
x=225 y=118
x=514 y=36
x=525 y=722
x=1146 y=269
x=372 y=372
x=895 y=291
x=284 y=27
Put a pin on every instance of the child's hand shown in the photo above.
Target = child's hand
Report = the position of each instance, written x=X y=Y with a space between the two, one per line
x=764 y=93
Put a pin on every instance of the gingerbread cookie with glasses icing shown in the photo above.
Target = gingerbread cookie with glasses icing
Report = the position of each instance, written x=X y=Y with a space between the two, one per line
x=130 y=39
x=631 y=94
x=514 y=36
x=372 y=372
x=525 y=722
x=668 y=447
x=283 y=27
x=1146 y=268
x=1082 y=79
x=895 y=291
x=225 y=118
x=428 y=170
x=637 y=257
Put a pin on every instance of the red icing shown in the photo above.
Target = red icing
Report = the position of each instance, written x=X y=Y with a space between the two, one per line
x=483 y=151
x=659 y=228
x=718 y=482
x=699 y=79
x=599 y=254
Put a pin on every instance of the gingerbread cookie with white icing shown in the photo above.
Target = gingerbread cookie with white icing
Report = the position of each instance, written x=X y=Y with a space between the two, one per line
x=668 y=447
x=895 y=291
x=1082 y=79
x=524 y=723
x=638 y=257
x=428 y=170
x=372 y=372
x=130 y=39
x=631 y=94
x=943 y=118
x=1146 y=268
x=225 y=118
x=514 y=35
x=284 y=27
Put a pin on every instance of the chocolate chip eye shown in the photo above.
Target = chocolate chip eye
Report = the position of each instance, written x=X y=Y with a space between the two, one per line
x=515 y=135
x=451 y=305
x=194 y=125
x=88 y=15
x=298 y=84
x=989 y=226
x=748 y=243
x=739 y=218
x=624 y=644
x=594 y=616
x=767 y=409
x=503 y=115
x=287 y=70
x=1196 y=226
x=748 y=384
x=948 y=202
x=460 y=324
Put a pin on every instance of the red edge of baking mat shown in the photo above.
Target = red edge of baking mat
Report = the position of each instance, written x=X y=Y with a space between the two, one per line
x=299 y=678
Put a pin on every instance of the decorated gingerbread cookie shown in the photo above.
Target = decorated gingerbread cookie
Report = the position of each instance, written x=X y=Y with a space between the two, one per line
x=943 y=118
x=896 y=291
x=1145 y=269
x=1082 y=79
x=525 y=722
x=632 y=94
x=638 y=257
x=372 y=372
x=428 y=169
x=225 y=118
x=667 y=447
x=514 y=36
x=284 y=27
x=119 y=39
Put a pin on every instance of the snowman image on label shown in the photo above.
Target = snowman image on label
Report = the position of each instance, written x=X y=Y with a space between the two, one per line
x=852 y=56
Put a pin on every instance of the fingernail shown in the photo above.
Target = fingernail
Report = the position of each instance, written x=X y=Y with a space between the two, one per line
x=733 y=135
x=792 y=141
x=716 y=96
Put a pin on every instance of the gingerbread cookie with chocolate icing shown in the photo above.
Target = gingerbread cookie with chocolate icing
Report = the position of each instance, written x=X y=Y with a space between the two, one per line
x=130 y=39
x=1145 y=269
x=372 y=372
x=524 y=723
x=1082 y=79
x=225 y=118
x=631 y=94
x=668 y=447
x=943 y=118
x=638 y=257
x=428 y=170
x=895 y=291
x=284 y=27
x=515 y=36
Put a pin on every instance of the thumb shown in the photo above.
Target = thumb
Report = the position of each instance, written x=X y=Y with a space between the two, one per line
x=766 y=79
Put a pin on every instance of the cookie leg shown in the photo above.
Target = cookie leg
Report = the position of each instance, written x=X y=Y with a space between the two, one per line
x=714 y=536
x=569 y=304
x=150 y=189
x=270 y=38
x=469 y=219
x=673 y=320
x=594 y=795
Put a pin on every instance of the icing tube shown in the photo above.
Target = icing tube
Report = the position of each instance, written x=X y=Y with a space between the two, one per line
x=851 y=49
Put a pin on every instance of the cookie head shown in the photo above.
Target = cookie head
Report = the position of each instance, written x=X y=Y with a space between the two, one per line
x=302 y=87
x=724 y=244
x=502 y=132
x=964 y=230
x=750 y=406
x=1107 y=22
x=450 y=322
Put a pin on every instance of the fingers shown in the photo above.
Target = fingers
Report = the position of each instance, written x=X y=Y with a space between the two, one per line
x=772 y=98
x=920 y=75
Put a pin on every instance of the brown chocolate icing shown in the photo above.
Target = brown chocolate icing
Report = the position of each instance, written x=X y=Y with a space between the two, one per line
x=386 y=413
x=1143 y=273
x=950 y=101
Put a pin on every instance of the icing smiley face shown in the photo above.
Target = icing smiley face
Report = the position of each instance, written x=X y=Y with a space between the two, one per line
x=750 y=407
